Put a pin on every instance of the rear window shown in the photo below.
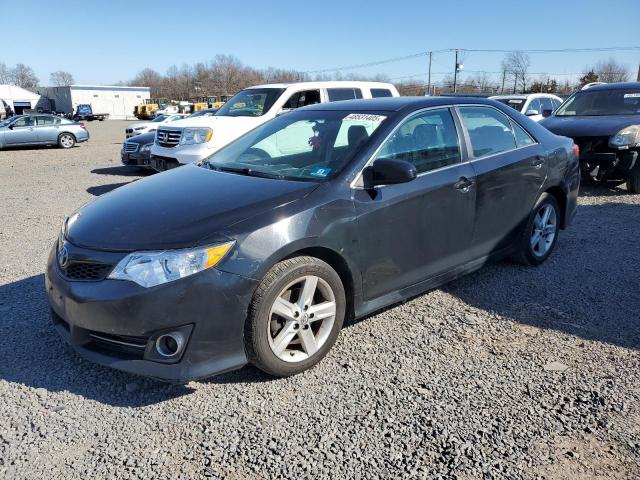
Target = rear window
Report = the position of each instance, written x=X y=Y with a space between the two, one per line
x=338 y=94
x=380 y=93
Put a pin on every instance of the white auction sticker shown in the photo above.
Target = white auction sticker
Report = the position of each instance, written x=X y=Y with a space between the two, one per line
x=365 y=117
x=632 y=95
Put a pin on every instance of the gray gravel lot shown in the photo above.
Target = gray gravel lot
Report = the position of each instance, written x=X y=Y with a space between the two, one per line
x=511 y=372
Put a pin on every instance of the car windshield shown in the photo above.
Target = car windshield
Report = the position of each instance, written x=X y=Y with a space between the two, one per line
x=305 y=146
x=8 y=120
x=160 y=118
x=252 y=102
x=515 y=103
x=602 y=102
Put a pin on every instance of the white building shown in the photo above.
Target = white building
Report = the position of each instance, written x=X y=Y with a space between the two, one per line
x=117 y=101
x=18 y=99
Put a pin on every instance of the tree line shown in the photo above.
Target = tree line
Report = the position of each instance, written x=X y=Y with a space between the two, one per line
x=23 y=76
x=226 y=75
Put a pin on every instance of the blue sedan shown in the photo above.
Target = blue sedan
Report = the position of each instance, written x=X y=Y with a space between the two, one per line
x=41 y=129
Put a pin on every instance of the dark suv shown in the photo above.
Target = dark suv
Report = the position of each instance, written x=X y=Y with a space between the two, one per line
x=604 y=121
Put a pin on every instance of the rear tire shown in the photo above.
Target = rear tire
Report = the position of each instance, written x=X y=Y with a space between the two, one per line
x=633 y=182
x=66 y=140
x=295 y=316
x=540 y=235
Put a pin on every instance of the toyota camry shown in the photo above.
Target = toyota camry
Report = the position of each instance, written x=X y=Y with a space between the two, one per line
x=260 y=252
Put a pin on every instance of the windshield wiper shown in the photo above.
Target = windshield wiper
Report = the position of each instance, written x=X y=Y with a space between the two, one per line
x=244 y=171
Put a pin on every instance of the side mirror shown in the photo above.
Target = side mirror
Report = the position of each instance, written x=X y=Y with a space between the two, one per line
x=547 y=113
x=532 y=112
x=388 y=172
x=10 y=127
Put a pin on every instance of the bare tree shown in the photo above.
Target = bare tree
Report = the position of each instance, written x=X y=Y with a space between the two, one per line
x=484 y=82
x=61 y=78
x=611 y=71
x=6 y=75
x=25 y=77
x=517 y=64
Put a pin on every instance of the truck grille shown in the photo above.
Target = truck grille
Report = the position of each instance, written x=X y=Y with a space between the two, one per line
x=130 y=147
x=168 y=138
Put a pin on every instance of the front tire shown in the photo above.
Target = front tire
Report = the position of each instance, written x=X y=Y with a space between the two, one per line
x=66 y=140
x=295 y=316
x=541 y=232
x=633 y=182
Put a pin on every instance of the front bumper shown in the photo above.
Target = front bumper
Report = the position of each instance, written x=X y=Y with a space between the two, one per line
x=184 y=154
x=212 y=302
x=136 y=159
x=618 y=161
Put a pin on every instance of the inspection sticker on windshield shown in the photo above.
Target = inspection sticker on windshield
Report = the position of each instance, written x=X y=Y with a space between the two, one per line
x=320 y=172
x=632 y=95
x=365 y=117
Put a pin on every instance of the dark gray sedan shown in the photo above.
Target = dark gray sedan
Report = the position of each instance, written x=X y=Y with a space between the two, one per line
x=41 y=129
x=259 y=253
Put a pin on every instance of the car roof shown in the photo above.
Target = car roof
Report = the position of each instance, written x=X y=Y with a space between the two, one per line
x=524 y=95
x=326 y=84
x=614 y=86
x=394 y=104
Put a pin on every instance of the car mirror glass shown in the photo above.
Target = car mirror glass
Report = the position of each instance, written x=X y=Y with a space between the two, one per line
x=532 y=112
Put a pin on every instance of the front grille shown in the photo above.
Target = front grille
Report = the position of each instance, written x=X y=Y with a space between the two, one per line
x=593 y=144
x=168 y=138
x=130 y=147
x=124 y=346
x=87 y=271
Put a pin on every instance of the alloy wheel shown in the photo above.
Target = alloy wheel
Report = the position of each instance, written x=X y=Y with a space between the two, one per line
x=66 y=141
x=545 y=227
x=301 y=319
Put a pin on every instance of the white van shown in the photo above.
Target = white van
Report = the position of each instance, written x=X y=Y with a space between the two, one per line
x=193 y=139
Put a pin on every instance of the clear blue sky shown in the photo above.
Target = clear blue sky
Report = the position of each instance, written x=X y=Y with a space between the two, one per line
x=99 y=42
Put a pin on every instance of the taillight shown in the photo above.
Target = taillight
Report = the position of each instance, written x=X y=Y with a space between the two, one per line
x=576 y=150
x=82 y=125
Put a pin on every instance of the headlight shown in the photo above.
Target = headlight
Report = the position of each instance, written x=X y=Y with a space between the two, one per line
x=192 y=136
x=627 y=137
x=146 y=148
x=155 y=268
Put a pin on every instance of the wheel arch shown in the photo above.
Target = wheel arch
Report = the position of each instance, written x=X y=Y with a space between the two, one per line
x=67 y=132
x=560 y=195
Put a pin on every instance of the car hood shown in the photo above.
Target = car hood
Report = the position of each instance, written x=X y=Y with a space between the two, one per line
x=143 y=138
x=139 y=124
x=185 y=207
x=589 y=126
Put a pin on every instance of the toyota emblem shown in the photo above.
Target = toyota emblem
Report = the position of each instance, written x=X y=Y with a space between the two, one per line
x=63 y=257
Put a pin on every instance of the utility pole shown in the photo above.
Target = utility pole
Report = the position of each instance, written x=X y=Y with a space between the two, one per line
x=455 y=73
x=637 y=79
x=429 y=79
x=515 y=81
x=504 y=76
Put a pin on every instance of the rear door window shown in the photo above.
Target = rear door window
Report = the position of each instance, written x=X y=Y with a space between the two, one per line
x=338 y=94
x=489 y=130
x=380 y=93
x=47 y=121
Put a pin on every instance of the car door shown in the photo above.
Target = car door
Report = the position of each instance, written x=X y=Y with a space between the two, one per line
x=413 y=231
x=47 y=129
x=510 y=169
x=21 y=132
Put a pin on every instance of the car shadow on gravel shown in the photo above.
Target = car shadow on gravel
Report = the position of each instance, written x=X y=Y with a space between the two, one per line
x=98 y=190
x=122 y=171
x=34 y=355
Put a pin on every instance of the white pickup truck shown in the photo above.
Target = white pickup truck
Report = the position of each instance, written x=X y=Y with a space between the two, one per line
x=193 y=139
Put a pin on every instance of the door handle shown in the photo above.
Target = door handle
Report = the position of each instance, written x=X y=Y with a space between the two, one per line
x=463 y=184
x=537 y=161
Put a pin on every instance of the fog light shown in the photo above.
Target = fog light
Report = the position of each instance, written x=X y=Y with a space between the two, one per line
x=170 y=344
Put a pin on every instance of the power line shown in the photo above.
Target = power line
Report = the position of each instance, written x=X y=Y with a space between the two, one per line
x=424 y=54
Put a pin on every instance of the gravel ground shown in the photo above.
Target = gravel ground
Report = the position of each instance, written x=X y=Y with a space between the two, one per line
x=511 y=372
